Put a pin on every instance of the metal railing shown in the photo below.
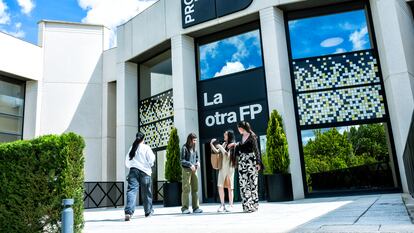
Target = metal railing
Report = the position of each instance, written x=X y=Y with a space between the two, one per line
x=408 y=158
x=103 y=194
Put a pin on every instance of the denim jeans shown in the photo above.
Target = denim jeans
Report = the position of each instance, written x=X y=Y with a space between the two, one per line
x=135 y=179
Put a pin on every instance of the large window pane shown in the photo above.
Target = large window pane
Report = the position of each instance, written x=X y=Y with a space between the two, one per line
x=11 y=98
x=346 y=158
x=9 y=137
x=11 y=109
x=339 y=101
x=11 y=124
x=329 y=34
x=230 y=55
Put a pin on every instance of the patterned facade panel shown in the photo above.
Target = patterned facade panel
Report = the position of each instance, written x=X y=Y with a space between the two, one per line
x=343 y=105
x=156 y=108
x=156 y=119
x=338 y=70
x=157 y=134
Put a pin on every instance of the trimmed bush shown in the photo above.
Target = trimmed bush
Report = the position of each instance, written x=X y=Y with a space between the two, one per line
x=277 y=154
x=173 y=164
x=34 y=178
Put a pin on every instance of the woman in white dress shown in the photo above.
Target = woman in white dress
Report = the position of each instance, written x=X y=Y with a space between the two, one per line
x=226 y=173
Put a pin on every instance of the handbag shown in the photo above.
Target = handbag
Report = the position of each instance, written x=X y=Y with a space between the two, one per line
x=216 y=161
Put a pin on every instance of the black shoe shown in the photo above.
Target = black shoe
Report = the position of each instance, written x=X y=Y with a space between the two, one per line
x=127 y=217
x=149 y=214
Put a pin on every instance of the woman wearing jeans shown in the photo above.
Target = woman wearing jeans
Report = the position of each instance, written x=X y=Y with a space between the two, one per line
x=249 y=166
x=190 y=164
x=139 y=160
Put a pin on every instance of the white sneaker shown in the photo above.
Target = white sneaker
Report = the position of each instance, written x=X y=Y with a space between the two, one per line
x=222 y=208
x=229 y=208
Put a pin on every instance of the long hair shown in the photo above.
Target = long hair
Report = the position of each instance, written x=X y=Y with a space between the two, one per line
x=230 y=139
x=246 y=126
x=189 y=144
x=139 y=137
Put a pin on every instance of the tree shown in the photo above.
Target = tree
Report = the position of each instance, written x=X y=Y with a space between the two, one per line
x=173 y=164
x=277 y=154
x=370 y=141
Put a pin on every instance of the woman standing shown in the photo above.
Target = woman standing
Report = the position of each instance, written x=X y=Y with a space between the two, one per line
x=226 y=173
x=190 y=164
x=249 y=166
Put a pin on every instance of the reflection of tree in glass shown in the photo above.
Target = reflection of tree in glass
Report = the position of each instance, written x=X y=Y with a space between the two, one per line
x=370 y=141
x=330 y=150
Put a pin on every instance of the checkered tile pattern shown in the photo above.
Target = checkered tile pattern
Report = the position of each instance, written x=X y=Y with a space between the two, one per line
x=338 y=88
x=342 y=105
x=156 y=119
x=336 y=71
x=157 y=134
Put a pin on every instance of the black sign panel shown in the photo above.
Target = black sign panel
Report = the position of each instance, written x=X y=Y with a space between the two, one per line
x=199 y=11
x=226 y=7
x=224 y=101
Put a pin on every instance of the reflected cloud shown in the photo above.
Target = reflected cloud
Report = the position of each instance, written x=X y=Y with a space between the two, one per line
x=359 y=39
x=230 y=55
x=332 y=42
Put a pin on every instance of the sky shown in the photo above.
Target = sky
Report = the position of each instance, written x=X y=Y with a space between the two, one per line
x=329 y=34
x=231 y=55
x=19 y=18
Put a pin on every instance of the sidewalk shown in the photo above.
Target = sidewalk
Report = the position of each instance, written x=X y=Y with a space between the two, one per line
x=371 y=213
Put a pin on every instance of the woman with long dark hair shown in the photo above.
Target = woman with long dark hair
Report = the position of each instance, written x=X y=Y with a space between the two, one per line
x=139 y=160
x=249 y=165
x=190 y=164
x=226 y=173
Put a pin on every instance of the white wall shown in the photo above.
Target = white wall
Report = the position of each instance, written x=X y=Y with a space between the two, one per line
x=394 y=28
x=20 y=58
x=72 y=86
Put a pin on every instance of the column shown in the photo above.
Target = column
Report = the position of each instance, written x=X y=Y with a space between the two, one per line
x=278 y=81
x=185 y=89
x=394 y=30
x=127 y=114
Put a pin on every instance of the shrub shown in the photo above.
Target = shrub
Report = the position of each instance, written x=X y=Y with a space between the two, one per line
x=173 y=164
x=35 y=176
x=277 y=154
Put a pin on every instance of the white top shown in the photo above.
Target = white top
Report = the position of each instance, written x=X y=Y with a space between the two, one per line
x=143 y=160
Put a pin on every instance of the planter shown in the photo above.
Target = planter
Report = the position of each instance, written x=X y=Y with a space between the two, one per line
x=172 y=194
x=279 y=187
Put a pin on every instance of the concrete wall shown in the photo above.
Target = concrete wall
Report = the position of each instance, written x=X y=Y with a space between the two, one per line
x=394 y=29
x=72 y=86
x=20 y=58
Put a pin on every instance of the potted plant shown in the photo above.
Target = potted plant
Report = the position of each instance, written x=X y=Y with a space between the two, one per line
x=276 y=161
x=172 y=188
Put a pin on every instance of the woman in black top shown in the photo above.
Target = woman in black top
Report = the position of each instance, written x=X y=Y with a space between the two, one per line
x=249 y=165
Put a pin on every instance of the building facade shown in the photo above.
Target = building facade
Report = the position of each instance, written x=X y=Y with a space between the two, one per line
x=341 y=73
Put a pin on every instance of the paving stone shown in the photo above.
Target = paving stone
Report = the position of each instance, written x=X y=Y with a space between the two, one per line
x=337 y=214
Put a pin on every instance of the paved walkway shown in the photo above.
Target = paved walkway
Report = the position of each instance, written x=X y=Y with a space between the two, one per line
x=372 y=213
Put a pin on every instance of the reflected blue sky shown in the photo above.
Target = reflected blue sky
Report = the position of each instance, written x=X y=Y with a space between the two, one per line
x=329 y=34
x=230 y=55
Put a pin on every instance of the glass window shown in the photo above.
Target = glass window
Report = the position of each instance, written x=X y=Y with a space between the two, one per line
x=155 y=75
x=339 y=100
x=230 y=55
x=329 y=34
x=11 y=109
x=351 y=157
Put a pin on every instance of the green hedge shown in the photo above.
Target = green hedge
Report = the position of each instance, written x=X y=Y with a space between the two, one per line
x=34 y=178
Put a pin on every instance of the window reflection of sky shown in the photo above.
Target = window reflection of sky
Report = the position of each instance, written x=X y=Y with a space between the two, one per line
x=310 y=134
x=329 y=34
x=230 y=55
